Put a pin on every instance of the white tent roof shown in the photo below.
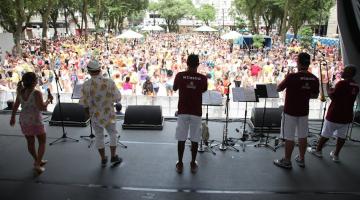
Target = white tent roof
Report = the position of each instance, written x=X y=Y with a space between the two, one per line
x=152 y=28
x=205 y=28
x=129 y=34
x=232 y=35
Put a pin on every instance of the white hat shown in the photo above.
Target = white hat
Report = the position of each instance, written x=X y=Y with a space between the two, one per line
x=93 y=65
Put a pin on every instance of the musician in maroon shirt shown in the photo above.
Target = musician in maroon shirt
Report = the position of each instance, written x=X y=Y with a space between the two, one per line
x=300 y=87
x=191 y=85
x=340 y=113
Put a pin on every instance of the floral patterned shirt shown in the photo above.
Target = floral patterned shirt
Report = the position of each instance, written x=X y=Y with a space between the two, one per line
x=99 y=94
x=30 y=114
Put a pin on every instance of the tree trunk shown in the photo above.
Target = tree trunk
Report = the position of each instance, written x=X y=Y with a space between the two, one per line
x=120 y=24
x=97 y=20
x=74 y=18
x=45 y=19
x=268 y=27
x=17 y=36
x=66 y=21
x=53 y=17
x=85 y=19
x=257 y=23
x=20 y=18
x=284 y=20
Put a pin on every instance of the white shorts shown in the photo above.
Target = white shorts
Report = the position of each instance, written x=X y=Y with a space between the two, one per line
x=188 y=125
x=292 y=125
x=334 y=129
x=99 y=134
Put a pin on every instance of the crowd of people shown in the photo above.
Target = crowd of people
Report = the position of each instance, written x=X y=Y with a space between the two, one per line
x=148 y=66
x=190 y=64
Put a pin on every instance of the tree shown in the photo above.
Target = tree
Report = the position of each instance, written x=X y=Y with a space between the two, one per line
x=300 y=12
x=271 y=11
x=15 y=15
x=54 y=14
x=305 y=36
x=45 y=7
x=206 y=13
x=249 y=8
x=258 y=41
x=173 y=10
x=117 y=10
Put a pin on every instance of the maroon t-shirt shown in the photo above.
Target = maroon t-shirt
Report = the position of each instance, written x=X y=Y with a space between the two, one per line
x=342 y=97
x=300 y=87
x=191 y=85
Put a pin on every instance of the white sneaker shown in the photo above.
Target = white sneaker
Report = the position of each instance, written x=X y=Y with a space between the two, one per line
x=334 y=157
x=314 y=152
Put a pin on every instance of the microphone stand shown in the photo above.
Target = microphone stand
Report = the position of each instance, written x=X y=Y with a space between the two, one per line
x=64 y=136
x=225 y=142
x=118 y=137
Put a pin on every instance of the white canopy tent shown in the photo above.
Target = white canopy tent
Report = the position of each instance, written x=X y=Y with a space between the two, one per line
x=205 y=28
x=129 y=34
x=232 y=35
x=152 y=28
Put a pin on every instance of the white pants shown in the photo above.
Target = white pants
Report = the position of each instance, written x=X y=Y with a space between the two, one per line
x=334 y=129
x=188 y=125
x=292 y=125
x=99 y=134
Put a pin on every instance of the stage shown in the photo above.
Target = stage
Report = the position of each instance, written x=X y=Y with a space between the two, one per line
x=148 y=169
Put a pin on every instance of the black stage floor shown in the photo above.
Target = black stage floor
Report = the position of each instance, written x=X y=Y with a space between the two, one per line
x=148 y=170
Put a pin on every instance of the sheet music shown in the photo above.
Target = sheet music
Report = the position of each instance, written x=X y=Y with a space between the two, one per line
x=76 y=91
x=272 y=91
x=241 y=94
x=211 y=97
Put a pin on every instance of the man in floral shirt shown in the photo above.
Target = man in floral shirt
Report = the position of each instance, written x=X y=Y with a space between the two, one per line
x=98 y=97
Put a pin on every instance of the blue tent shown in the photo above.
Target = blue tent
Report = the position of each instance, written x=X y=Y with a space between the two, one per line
x=247 y=40
x=323 y=40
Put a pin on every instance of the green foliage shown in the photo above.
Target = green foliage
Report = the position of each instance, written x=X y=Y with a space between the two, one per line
x=302 y=11
x=250 y=9
x=305 y=36
x=258 y=41
x=240 y=23
x=173 y=10
x=206 y=13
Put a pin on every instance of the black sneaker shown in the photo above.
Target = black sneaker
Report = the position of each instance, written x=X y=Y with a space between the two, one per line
x=179 y=167
x=116 y=160
x=104 y=161
x=283 y=163
x=300 y=162
x=194 y=167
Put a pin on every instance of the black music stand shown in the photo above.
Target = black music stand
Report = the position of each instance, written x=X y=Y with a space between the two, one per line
x=209 y=98
x=246 y=95
x=266 y=91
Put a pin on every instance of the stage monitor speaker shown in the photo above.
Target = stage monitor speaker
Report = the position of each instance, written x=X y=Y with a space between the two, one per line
x=272 y=119
x=73 y=114
x=143 y=117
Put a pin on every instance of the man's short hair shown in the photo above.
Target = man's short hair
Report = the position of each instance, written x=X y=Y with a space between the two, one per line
x=350 y=70
x=193 y=60
x=304 y=59
x=118 y=107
